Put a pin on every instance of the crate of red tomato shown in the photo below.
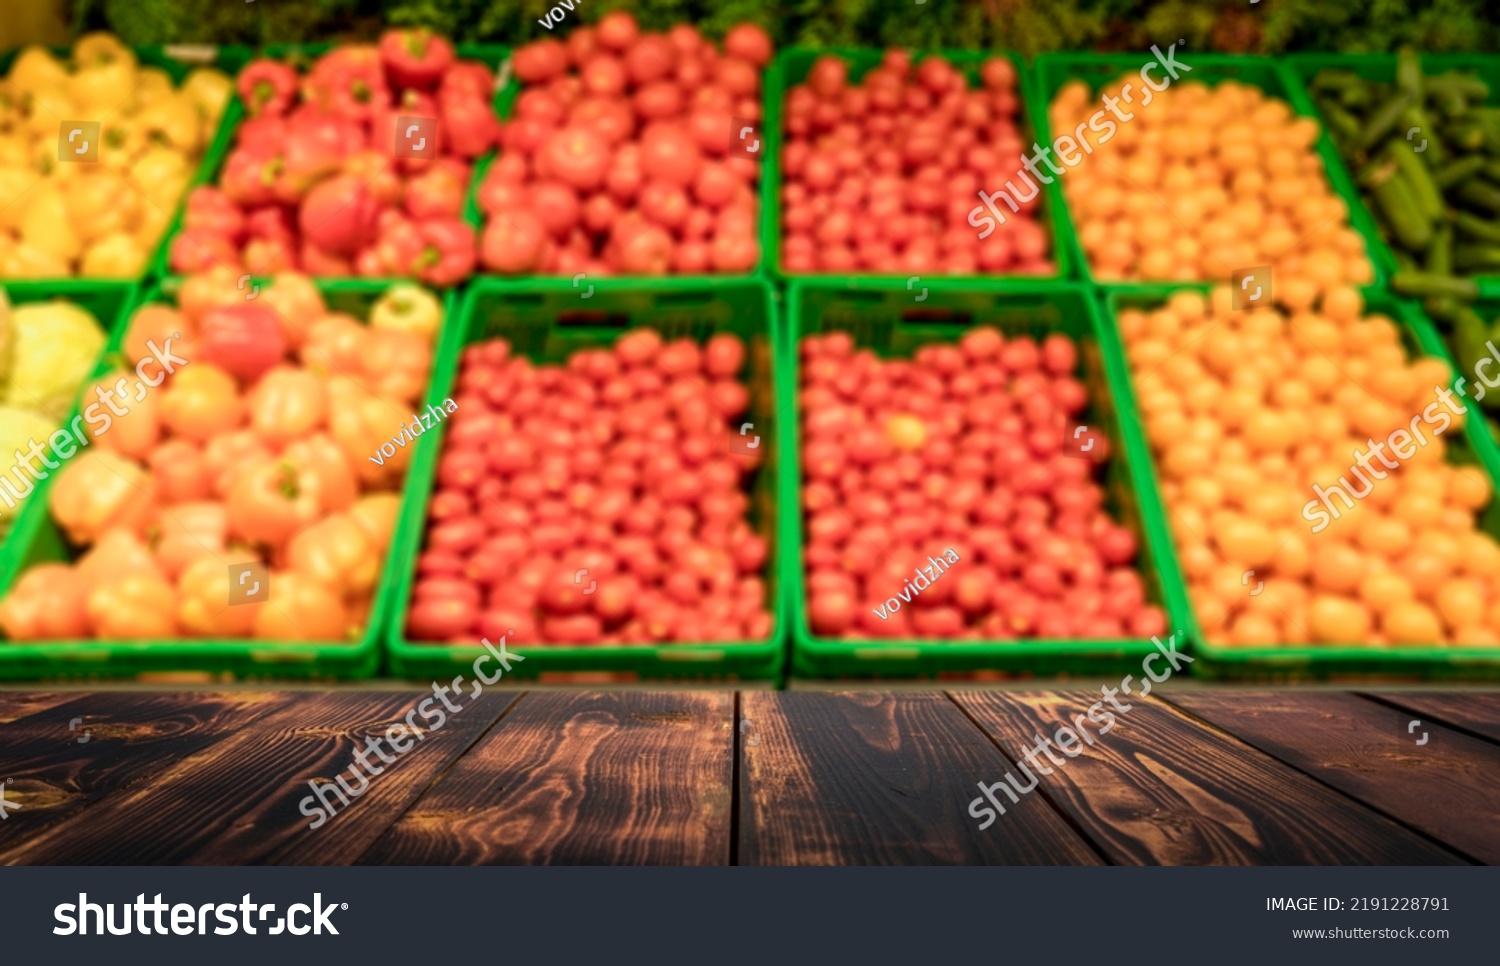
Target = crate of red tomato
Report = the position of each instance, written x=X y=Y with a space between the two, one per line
x=627 y=152
x=604 y=495
x=881 y=158
x=966 y=484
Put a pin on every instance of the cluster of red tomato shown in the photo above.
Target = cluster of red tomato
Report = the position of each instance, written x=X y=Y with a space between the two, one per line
x=621 y=154
x=884 y=175
x=256 y=449
x=959 y=448
x=599 y=501
x=365 y=173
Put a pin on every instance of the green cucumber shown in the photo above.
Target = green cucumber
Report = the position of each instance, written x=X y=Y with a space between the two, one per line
x=1484 y=229
x=1456 y=84
x=1469 y=347
x=1383 y=121
x=1423 y=284
x=1477 y=259
x=1414 y=121
x=1417 y=175
x=1479 y=193
x=1440 y=252
x=1409 y=78
x=1397 y=201
x=1465 y=135
x=1458 y=171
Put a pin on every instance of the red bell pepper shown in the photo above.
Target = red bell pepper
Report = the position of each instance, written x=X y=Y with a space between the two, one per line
x=398 y=244
x=211 y=210
x=248 y=178
x=270 y=223
x=267 y=87
x=261 y=136
x=447 y=256
x=435 y=193
x=197 y=250
x=267 y=256
x=349 y=82
x=367 y=263
x=415 y=58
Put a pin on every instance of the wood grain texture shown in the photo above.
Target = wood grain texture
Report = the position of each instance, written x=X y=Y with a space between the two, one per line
x=237 y=802
x=132 y=736
x=1477 y=712
x=1448 y=788
x=617 y=778
x=15 y=705
x=1161 y=789
x=863 y=778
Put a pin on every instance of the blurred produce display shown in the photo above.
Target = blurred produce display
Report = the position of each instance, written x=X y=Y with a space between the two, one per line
x=622 y=155
x=47 y=350
x=1248 y=411
x=1205 y=181
x=1426 y=153
x=1028 y=26
x=959 y=448
x=882 y=175
x=103 y=213
x=597 y=502
x=257 y=448
x=359 y=167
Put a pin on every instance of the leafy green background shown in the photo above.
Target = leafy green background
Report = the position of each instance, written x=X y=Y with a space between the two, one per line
x=1028 y=26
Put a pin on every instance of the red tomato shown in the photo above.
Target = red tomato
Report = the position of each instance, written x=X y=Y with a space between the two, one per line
x=668 y=154
x=750 y=43
x=578 y=156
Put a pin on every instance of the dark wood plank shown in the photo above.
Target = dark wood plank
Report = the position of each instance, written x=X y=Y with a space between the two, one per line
x=1448 y=788
x=617 y=778
x=132 y=736
x=15 y=705
x=237 y=803
x=864 y=778
x=1476 y=712
x=1161 y=789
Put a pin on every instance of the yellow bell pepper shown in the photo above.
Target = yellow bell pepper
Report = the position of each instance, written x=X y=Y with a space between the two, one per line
x=172 y=122
x=116 y=255
x=45 y=224
x=209 y=89
x=35 y=69
x=25 y=261
x=97 y=204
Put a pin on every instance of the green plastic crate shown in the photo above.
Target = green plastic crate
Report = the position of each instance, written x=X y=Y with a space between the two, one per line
x=38 y=540
x=545 y=320
x=505 y=100
x=792 y=66
x=890 y=321
x=1382 y=67
x=1054 y=70
x=1327 y=661
x=302 y=55
x=107 y=302
x=178 y=62
x=1435 y=342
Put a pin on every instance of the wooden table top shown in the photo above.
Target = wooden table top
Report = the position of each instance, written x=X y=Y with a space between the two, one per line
x=754 y=777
